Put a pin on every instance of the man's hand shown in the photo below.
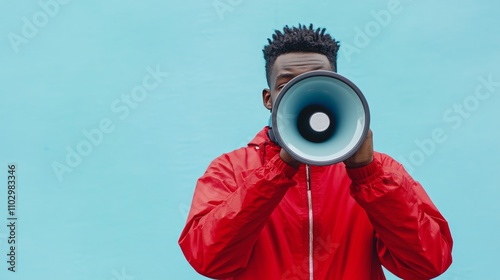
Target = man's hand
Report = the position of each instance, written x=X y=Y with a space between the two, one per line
x=288 y=159
x=364 y=155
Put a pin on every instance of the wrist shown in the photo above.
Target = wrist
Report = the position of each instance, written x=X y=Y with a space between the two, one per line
x=350 y=164
x=364 y=173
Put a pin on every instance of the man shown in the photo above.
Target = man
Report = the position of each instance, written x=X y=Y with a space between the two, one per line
x=257 y=213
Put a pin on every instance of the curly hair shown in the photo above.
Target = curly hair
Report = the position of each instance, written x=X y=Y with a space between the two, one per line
x=300 y=39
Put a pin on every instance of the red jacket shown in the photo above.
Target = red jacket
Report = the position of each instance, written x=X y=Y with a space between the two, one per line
x=253 y=217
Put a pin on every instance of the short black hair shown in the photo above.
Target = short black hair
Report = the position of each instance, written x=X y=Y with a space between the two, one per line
x=300 y=39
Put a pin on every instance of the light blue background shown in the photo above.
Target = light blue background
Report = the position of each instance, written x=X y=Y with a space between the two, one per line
x=120 y=211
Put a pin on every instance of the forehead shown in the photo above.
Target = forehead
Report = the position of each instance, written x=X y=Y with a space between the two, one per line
x=296 y=63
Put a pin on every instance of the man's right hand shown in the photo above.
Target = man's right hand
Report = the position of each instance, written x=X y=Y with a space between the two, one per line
x=288 y=159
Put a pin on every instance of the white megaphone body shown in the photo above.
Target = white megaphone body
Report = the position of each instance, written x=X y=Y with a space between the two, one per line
x=320 y=118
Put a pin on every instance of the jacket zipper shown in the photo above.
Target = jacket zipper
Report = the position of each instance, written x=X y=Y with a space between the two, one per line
x=310 y=211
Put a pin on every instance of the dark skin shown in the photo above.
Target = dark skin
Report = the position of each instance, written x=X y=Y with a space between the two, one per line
x=290 y=65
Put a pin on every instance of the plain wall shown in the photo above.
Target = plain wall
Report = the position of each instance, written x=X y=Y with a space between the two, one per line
x=111 y=110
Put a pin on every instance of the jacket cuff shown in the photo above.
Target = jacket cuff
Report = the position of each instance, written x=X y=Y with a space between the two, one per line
x=365 y=173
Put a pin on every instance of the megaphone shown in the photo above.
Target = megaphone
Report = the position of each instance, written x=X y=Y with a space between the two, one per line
x=320 y=118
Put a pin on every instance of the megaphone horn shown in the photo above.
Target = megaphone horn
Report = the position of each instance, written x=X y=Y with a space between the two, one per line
x=320 y=118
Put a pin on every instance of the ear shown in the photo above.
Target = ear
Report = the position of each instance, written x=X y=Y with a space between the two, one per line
x=266 y=98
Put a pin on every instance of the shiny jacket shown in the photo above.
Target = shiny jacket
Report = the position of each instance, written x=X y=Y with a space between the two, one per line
x=255 y=217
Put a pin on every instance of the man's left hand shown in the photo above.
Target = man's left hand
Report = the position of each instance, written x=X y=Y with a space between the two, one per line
x=364 y=155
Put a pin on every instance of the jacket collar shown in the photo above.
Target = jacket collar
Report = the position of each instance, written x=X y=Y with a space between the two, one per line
x=261 y=138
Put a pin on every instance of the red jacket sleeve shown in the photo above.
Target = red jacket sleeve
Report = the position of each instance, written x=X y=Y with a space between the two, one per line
x=413 y=238
x=226 y=218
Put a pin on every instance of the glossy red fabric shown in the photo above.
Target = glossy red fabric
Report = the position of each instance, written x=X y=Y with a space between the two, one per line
x=249 y=220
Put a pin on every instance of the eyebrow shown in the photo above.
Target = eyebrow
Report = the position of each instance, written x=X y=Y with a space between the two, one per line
x=284 y=75
x=291 y=75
